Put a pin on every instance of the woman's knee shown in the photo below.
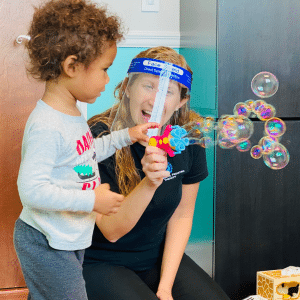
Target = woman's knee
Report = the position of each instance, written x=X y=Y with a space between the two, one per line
x=109 y=282
x=193 y=283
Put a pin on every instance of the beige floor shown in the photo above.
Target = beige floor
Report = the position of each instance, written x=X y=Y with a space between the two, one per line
x=202 y=254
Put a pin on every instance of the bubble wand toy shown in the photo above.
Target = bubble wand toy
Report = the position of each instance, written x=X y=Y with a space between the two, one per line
x=173 y=140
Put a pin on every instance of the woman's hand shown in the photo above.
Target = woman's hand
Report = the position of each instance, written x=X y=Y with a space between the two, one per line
x=139 y=133
x=164 y=295
x=154 y=165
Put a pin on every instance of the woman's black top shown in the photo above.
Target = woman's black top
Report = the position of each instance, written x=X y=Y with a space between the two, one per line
x=142 y=247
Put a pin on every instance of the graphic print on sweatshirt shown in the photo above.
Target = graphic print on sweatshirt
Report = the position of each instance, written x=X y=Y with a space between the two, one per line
x=87 y=167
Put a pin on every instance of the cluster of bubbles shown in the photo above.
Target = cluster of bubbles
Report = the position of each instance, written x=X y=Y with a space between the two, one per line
x=234 y=131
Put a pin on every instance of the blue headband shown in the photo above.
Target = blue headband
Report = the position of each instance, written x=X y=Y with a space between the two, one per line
x=155 y=67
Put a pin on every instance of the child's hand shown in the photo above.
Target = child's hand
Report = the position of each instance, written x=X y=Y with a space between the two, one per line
x=139 y=133
x=106 y=201
x=154 y=165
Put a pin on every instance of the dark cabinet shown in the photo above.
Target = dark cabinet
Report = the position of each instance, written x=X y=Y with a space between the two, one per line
x=256 y=208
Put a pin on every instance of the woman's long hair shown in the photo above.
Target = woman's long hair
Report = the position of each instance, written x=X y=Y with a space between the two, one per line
x=127 y=174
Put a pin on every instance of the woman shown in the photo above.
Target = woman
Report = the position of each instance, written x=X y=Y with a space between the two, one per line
x=138 y=253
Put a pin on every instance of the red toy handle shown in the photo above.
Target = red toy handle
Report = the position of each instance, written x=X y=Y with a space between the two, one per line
x=163 y=141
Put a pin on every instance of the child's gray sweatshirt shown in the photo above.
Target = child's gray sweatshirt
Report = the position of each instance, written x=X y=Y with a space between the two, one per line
x=58 y=174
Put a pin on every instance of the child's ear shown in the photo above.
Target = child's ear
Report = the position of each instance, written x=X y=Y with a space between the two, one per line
x=71 y=66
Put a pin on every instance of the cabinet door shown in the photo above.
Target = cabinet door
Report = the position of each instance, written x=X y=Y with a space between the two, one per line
x=257 y=215
x=18 y=96
x=256 y=36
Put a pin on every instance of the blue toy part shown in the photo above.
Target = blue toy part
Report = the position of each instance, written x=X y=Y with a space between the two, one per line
x=178 y=132
x=169 y=167
x=178 y=141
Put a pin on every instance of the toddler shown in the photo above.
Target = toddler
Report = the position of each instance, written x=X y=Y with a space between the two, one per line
x=72 y=45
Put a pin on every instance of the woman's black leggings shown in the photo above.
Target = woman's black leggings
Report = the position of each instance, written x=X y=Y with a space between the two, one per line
x=111 y=282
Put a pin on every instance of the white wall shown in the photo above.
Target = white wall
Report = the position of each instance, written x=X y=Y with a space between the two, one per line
x=149 y=28
x=198 y=26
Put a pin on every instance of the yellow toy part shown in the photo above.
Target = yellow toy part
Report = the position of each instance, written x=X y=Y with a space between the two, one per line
x=166 y=140
x=152 y=142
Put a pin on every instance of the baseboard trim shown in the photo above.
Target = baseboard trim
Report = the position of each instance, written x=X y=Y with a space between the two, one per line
x=14 y=294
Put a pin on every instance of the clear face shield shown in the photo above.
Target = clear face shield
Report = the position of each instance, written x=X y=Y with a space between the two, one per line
x=152 y=92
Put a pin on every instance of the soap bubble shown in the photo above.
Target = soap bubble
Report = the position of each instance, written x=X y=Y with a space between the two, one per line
x=226 y=121
x=245 y=128
x=264 y=84
x=234 y=128
x=241 y=109
x=250 y=107
x=267 y=144
x=207 y=125
x=258 y=106
x=250 y=104
x=227 y=126
x=278 y=158
x=275 y=127
x=193 y=124
x=193 y=132
x=267 y=113
x=256 y=152
x=198 y=132
x=206 y=142
x=244 y=146
x=224 y=142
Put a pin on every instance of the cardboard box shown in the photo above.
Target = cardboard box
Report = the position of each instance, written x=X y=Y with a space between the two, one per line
x=279 y=284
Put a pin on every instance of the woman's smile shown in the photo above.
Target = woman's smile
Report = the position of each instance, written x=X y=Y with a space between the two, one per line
x=146 y=115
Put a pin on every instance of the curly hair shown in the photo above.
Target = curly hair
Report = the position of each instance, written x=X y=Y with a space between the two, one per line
x=127 y=174
x=61 y=28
